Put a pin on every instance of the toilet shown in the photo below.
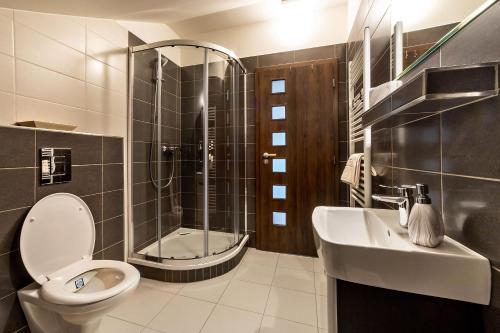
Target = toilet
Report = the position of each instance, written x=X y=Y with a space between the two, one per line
x=72 y=291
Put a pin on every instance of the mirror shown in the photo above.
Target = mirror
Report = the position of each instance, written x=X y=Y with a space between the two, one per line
x=422 y=26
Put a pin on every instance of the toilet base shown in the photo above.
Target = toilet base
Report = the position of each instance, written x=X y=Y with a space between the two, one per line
x=44 y=317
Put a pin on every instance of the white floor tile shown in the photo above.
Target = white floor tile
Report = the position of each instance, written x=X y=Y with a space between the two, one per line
x=295 y=279
x=263 y=258
x=277 y=325
x=113 y=325
x=323 y=330
x=246 y=295
x=318 y=265
x=182 y=315
x=255 y=273
x=296 y=262
x=292 y=305
x=142 y=306
x=322 y=311
x=148 y=330
x=230 y=320
x=320 y=283
x=169 y=287
x=209 y=290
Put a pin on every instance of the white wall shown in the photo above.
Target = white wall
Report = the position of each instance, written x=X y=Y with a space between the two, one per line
x=67 y=69
x=422 y=14
x=328 y=26
x=154 y=32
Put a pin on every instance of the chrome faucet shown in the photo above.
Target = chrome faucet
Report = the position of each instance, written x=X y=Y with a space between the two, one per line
x=404 y=201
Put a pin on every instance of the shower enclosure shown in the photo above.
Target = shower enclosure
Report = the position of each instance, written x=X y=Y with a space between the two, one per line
x=187 y=153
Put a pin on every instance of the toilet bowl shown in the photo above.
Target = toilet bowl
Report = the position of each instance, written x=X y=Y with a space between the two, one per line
x=72 y=291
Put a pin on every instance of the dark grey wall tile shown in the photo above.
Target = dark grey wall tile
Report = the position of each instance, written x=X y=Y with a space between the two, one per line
x=98 y=237
x=85 y=149
x=315 y=53
x=112 y=204
x=250 y=63
x=95 y=205
x=13 y=275
x=17 y=188
x=275 y=59
x=410 y=177
x=112 y=177
x=476 y=43
x=382 y=147
x=112 y=231
x=11 y=223
x=416 y=145
x=18 y=147
x=429 y=35
x=115 y=252
x=85 y=180
x=471 y=213
x=11 y=314
x=112 y=150
x=470 y=139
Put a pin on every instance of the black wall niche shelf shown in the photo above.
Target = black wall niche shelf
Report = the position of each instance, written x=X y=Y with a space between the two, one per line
x=432 y=91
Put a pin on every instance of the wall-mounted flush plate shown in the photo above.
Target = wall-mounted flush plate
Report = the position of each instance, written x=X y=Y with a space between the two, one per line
x=55 y=165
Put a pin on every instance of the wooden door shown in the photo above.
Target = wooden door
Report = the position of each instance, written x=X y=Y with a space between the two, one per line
x=297 y=121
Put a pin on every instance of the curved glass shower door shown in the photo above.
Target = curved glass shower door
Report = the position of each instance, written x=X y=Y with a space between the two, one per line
x=187 y=153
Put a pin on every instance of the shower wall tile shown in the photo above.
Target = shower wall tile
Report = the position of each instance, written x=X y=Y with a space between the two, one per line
x=20 y=189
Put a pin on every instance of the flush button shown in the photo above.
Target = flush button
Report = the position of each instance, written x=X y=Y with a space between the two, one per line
x=32 y=219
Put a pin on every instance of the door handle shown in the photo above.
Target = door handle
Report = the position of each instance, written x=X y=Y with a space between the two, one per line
x=267 y=155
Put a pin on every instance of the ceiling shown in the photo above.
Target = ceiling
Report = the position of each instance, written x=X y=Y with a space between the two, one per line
x=186 y=17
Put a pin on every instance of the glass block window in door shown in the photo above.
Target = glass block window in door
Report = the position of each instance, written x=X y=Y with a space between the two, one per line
x=277 y=86
x=279 y=139
x=279 y=192
x=279 y=218
x=278 y=112
x=279 y=165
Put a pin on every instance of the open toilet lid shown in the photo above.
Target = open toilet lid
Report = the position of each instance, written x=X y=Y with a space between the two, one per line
x=58 y=231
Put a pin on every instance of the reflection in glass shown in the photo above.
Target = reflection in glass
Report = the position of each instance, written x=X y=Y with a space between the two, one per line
x=279 y=218
x=279 y=192
x=278 y=112
x=279 y=165
x=278 y=86
x=279 y=139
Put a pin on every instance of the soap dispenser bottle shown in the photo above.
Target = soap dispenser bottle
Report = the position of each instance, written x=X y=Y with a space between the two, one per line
x=425 y=225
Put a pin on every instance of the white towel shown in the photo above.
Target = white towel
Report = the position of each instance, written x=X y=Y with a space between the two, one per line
x=352 y=171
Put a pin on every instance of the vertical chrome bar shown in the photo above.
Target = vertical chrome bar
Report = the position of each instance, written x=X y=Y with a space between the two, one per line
x=159 y=76
x=245 y=145
x=366 y=105
x=128 y=170
x=398 y=48
x=205 y=154
x=236 y=173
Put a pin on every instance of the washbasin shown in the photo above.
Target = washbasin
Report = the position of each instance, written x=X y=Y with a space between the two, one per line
x=368 y=246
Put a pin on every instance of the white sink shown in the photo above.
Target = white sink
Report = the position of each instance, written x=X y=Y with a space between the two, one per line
x=368 y=246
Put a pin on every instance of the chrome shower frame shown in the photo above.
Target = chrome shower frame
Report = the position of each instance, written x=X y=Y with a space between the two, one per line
x=129 y=199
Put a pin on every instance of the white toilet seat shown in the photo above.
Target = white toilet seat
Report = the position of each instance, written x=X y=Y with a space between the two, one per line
x=55 y=291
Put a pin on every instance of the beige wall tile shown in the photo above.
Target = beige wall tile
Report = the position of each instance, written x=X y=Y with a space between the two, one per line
x=6 y=73
x=106 y=101
x=7 y=12
x=114 y=126
x=100 y=48
x=41 y=83
x=7 y=111
x=109 y=30
x=35 y=109
x=105 y=76
x=40 y=50
x=69 y=30
x=6 y=35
